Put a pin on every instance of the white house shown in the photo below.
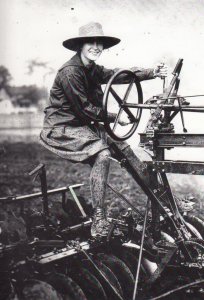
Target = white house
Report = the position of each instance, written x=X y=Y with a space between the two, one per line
x=6 y=106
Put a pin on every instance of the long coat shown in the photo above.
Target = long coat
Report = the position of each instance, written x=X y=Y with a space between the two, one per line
x=75 y=98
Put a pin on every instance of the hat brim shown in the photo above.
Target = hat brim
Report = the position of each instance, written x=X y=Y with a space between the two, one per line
x=74 y=43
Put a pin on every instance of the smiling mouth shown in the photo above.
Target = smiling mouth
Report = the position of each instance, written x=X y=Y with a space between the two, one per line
x=95 y=52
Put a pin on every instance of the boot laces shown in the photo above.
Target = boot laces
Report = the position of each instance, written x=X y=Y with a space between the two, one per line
x=99 y=214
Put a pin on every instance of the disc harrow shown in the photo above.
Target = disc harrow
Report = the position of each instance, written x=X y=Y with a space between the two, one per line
x=86 y=269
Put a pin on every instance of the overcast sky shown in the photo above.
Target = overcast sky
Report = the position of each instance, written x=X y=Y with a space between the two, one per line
x=150 y=30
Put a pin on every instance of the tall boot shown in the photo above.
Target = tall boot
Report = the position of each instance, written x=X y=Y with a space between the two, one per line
x=100 y=225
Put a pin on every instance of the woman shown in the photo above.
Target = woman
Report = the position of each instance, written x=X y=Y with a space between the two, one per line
x=75 y=101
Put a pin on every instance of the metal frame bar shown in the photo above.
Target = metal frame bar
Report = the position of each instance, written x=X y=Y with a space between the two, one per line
x=170 y=107
x=16 y=199
x=62 y=190
x=166 y=140
x=141 y=251
x=177 y=167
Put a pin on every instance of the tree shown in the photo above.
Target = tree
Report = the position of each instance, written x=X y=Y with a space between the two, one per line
x=27 y=94
x=5 y=77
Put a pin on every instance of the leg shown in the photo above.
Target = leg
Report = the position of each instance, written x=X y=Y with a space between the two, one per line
x=98 y=181
x=99 y=177
x=121 y=150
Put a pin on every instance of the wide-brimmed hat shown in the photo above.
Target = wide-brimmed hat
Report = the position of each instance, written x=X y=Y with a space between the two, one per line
x=86 y=33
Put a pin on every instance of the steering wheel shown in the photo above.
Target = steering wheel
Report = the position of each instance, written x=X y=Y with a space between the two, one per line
x=114 y=129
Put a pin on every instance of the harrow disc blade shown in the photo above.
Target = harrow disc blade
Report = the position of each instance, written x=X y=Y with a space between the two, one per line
x=89 y=284
x=111 y=279
x=147 y=267
x=131 y=261
x=128 y=258
x=39 y=290
x=196 y=222
x=66 y=286
x=122 y=272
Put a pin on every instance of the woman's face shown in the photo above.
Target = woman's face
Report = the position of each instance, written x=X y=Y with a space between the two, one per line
x=92 y=50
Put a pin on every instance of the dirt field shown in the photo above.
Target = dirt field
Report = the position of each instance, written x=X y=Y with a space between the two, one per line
x=18 y=158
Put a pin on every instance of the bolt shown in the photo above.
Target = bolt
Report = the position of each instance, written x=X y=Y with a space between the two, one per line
x=184 y=143
x=163 y=170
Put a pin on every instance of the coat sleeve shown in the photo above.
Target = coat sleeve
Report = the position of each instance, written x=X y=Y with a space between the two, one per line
x=106 y=74
x=74 y=86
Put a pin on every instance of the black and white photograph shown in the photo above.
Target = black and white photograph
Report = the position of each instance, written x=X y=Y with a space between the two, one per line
x=101 y=150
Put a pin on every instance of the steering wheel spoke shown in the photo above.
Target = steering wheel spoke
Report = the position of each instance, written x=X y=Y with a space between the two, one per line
x=121 y=102
x=115 y=131
x=117 y=119
x=115 y=95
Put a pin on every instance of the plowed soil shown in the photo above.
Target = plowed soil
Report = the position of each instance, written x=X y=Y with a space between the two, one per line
x=18 y=158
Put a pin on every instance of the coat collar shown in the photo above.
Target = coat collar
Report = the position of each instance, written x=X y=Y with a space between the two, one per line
x=75 y=61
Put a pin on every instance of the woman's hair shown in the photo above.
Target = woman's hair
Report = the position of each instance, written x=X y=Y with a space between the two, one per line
x=79 y=46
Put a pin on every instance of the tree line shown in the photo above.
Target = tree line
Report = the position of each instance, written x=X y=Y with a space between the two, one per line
x=21 y=95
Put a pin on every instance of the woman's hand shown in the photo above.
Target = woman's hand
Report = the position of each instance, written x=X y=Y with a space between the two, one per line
x=124 y=120
x=161 y=70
